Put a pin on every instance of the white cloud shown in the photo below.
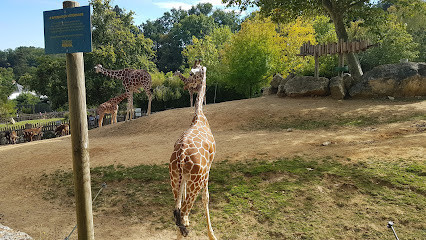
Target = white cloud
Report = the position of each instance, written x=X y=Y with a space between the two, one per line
x=213 y=2
x=177 y=5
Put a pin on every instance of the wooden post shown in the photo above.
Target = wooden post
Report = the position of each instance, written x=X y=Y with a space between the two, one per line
x=79 y=140
x=316 y=74
x=341 y=63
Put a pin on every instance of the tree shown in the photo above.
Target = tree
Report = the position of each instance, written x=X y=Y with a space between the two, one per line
x=249 y=54
x=175 y=29
x=394 y=43
x=412 y=13
x=340 y=11
x=117 y=43
x=50 y=79
x=7 y=87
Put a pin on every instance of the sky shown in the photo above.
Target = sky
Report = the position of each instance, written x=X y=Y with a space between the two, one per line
x=21 y=21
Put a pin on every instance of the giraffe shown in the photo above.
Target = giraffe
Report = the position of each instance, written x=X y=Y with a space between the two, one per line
x=133 y=79
x=191 y=85
x=111 y=107
x=190 y=162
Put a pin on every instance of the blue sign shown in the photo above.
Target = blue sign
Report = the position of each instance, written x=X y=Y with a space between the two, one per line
x=67 y=30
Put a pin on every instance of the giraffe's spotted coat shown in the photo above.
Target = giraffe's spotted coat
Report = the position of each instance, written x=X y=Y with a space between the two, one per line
x=132 y=79
x=191 y=160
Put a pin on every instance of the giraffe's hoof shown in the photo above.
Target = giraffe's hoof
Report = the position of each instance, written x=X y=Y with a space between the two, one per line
x=183 y=230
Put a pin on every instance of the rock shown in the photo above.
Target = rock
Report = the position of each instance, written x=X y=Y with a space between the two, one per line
x=276 y=80
x=6 y=233
x=269 y=91
x=281 y=89
x=397 y=80
x=301 y=86
x=326 y=143
x=348 y=81
x=337 y=88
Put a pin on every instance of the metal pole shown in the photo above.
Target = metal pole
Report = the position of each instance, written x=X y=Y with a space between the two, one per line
x=390 y=225
x=104 y=185
x=79 y=140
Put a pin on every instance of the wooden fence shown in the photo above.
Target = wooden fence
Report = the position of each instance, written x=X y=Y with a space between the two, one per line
x=49 y=128
x=339 y=48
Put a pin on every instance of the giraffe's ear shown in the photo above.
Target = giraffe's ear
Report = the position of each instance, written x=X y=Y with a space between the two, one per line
x=195 y=63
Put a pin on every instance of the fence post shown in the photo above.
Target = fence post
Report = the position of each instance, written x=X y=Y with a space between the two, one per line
x=79 y=140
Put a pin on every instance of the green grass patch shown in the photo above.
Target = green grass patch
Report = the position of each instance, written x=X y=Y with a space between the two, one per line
x=40 y=121
x=297 y=198
x=303 y=123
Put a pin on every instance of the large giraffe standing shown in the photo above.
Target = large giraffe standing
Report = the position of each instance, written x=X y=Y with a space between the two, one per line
x=190 y=162
x=133 y=79
x=110 y=107
x=191 y=85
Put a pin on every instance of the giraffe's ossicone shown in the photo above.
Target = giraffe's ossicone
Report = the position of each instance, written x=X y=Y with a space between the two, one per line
x=190 y=162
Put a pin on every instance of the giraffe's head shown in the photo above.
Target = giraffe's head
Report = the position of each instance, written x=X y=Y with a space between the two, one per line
x=197 y=69
x=98 y=68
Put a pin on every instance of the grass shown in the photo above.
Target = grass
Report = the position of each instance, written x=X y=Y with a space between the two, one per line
x=22 y=123
x=299 y=198
x=273 y=124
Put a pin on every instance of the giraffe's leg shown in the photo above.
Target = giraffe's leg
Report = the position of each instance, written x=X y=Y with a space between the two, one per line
x=191 y=100
x=177 y=212
x=149 y=104
x=101 y=119
x=129 y=106
x=206 y=208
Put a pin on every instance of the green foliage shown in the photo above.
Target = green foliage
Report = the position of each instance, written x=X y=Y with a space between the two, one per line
x=210 y=50
x=413 y=14
x=49 y=79
x=7 y=86
x=118 y=44
x=23 y=60
x=27 y=99
x=394 y=43
x=176 y=29
x=248 y=56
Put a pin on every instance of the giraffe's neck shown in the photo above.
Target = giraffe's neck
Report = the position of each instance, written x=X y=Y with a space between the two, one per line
x=118 y=99
x=201 y=93
x=184 y=79
x=118 y=74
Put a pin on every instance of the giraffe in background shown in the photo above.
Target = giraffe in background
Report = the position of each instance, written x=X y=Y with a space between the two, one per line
x=110 y=107
x=191 y=160
x=133 y=79
x=191 y=85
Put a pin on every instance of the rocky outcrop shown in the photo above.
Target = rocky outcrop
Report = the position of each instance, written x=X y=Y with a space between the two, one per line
x=396 y=80
x=6 y=233
x=276 y=80
x=337 y=88
x=301 y=86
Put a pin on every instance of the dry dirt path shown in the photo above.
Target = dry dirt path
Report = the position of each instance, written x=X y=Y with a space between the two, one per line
x=150 y=140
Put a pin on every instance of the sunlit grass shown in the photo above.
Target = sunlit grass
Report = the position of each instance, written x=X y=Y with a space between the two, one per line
x=297 y=198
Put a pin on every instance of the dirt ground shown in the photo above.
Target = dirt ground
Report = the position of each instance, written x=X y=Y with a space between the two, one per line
x=149 y=140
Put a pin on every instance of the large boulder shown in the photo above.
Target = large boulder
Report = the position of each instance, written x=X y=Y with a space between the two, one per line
x=396 y=80
x=276 y=80
x=301 y=86
x=337 y=88
x=283 y=81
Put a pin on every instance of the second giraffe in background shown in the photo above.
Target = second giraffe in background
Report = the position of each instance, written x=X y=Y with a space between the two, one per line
x=110 y=107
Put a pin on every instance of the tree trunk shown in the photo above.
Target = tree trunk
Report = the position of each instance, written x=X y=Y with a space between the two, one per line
x=337 y=17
